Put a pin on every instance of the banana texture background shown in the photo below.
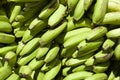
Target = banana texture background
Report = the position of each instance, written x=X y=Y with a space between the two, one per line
x=60 y=39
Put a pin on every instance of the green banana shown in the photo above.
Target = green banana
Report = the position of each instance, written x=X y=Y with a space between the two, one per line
x=79 y=10
x=108 y=44
x=24 y=60
x=78 y=75
x=30 y=46
x=73 y=41
x=79 y=68
x=5 y=27
x=13 y=76
x=64 y=61
x=65 y=71
x=48 y=10
x=35 y=64
x=11 y=58
x=5 y=71
x=40 y=76
x=98 y=76
x=100 y=10
x=111 y=18
x=111 y=76
x=15 y=12
x=19 y=34
x=50 y=35
x=25 y=71
x=5 y=49
x=19 y=47
x=87 y=4
x=16 y=24
x=97 y=33
x=57 y=16
x=53 y=72
x=22 y=0
x=7 y=38
x=114 y=33
x=52 y=53
x=43 y=51
x=117 y=52
x=117 y=78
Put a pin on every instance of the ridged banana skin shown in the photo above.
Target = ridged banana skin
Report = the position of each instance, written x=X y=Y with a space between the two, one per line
x=50 y=35
x=35 y=64
x=24 y=60
x=117 y=52
x=5 y=27
x=78 y=75
x=75 y=39
x=53 y=72
x=57 y=16
x=87 y=4
x=15 y=12
x=111 y=18
x=65 y=71
x=5 y=71
x=98 y=76
x=40 y=76
x=114 y=33
x=7 y=38
x=52 y=54
x=48 y=10
x=79 y=10
x=97 y=33
x=19 y=47
x=30 y=46
x=100 y=10
x=13 y=76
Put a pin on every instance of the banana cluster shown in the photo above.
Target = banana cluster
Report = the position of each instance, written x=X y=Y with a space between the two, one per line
x=59 y=39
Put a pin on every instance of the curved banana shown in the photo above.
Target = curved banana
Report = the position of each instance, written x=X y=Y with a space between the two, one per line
x=100 y=10
x=88 y=4
x=7 y=38
x=40 y=76
x=79 y=10
x=79 y=68
x=50 y=35
x=65 y=71
x=13 y=76
x=57 y=16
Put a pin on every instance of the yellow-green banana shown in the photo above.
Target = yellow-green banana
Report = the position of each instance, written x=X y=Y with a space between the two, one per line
x=65 y=71
x=19 y=47
x=13 y=76
x=117 y=52
x=111 y=76
x=87 y=4
x=40 y=76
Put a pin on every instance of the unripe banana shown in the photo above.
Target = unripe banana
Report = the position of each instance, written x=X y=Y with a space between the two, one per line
x=30 y=46
x=7 y=38
x=11 y=58
x=13 y=76
x=117 y=78
x=100 y=10
x=98 y=76
x=52 y=53
x=24 y=60
x=87 y=4
x=65 y=71
x=53 y=72
x=57 y=16
x=43 y=51
x=117 y=52
x=19 y=47
x=19 y=34
x=48 y=10
x=79 y=10
x=79 y=68
x=16 y=24
x=5 y=27
x=111 y=76
x=40 y=76
x=22 y=0
x=78 y=75
x=114 y=33
x=97 y=33
x=35 y=64
x=50 y=35
x=25 y=71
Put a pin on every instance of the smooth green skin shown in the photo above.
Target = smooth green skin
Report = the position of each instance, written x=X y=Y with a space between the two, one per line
x=79 y=10
x=7 y=38
x=117 y=52
x=65 y=71
x=48 y=10
x=78 y=75
x=79 y=68
x=114 y=33
x=15 y=12
x=35 y=64
x=24 y=60
x=98 y=76
x=97 y=33
x=111 y=18
x=30 y=46
x=99 y=11
x=111 y=76
x=50 y=35
x=13 y=76
x=53 y=72
x=5 y=71
x=88 y=4
x=5 y=27
x=57 y=16
x=40 y=76
x=52 y=54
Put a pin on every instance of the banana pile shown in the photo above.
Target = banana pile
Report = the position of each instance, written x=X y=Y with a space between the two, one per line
x=60 y=39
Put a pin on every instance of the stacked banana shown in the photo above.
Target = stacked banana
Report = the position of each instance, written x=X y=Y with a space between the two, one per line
x=59 y=40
